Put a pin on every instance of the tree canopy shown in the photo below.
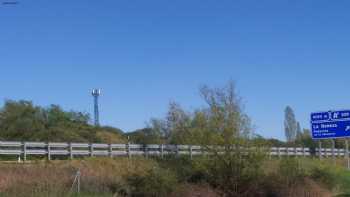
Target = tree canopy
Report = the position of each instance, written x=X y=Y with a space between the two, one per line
x=290 y=124
x=221 y=121
x=22 y=120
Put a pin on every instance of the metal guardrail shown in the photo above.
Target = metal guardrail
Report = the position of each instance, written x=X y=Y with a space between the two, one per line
x=71 y=150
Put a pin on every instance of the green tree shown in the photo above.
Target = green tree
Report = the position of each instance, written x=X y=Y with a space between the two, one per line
x=178 y=124
x=305 y=139
x=221 y=122
x=21 y=120
x=298 y=132
x=290 y=124
x=145 y=136
x=225 y=111
x=224 y=130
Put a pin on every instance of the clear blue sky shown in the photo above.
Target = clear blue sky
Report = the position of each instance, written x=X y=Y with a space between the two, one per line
x=145 y=53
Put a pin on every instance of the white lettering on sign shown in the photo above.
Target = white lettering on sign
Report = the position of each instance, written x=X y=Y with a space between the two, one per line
x=325 y=126
x=317 y=116
x=335 y=115
x=345 y=114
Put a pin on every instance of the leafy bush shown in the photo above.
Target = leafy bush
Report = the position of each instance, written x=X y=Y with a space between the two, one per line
x=182 y=166
x=157 y=182
x=324 y=174
x=333 y=177
x=291 y=171
x=236 y=174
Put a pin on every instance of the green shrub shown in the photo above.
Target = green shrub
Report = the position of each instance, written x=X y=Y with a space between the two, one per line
x=236 y=174
x=325 y=175
x=182 y=166
x=157 y=182
x=332 y=176
x=291 y=172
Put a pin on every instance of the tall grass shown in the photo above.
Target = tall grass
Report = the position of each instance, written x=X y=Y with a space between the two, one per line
x=177 y=176
x=98 y=176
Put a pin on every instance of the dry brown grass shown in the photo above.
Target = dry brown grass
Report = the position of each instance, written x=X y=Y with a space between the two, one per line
x=102 y=175
x=26 y=180
x=109 y=176
x=308 y=189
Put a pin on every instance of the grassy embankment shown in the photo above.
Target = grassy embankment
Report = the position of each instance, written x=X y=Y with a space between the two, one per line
x=173 y=177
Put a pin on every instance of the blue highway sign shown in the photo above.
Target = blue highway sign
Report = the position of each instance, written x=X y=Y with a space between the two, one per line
x=330 y=124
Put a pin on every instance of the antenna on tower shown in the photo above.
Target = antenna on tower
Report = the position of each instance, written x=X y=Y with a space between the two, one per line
x=96 y=93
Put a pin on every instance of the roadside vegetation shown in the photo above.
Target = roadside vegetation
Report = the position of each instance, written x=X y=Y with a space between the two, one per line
x=23 y=121
x=201 y=176
x=237 y=163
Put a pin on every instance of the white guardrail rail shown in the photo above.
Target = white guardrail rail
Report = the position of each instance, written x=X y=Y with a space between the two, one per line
x=71 y=150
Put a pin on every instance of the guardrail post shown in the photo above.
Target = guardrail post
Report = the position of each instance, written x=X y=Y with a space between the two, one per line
x=295 y=152
x=304 y=154
x=48 y=151
x=91 y=150
x=24 y=152
x=279 y=152
x=162 y=151
x=176 y=150
x=70 y=150
x=128 y=150
x=336 y=152
x=190 y=146
x=110 y=150
x=145 y=149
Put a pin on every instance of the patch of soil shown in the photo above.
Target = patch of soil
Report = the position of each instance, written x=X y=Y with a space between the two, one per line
x=191 y=190
x=308 y=189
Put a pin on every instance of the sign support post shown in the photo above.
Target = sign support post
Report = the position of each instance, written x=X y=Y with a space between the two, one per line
x=347 y=153
x=320 y=149
x=333 y=153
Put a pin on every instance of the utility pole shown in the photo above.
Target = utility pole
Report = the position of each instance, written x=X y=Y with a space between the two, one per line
x=96 y=93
